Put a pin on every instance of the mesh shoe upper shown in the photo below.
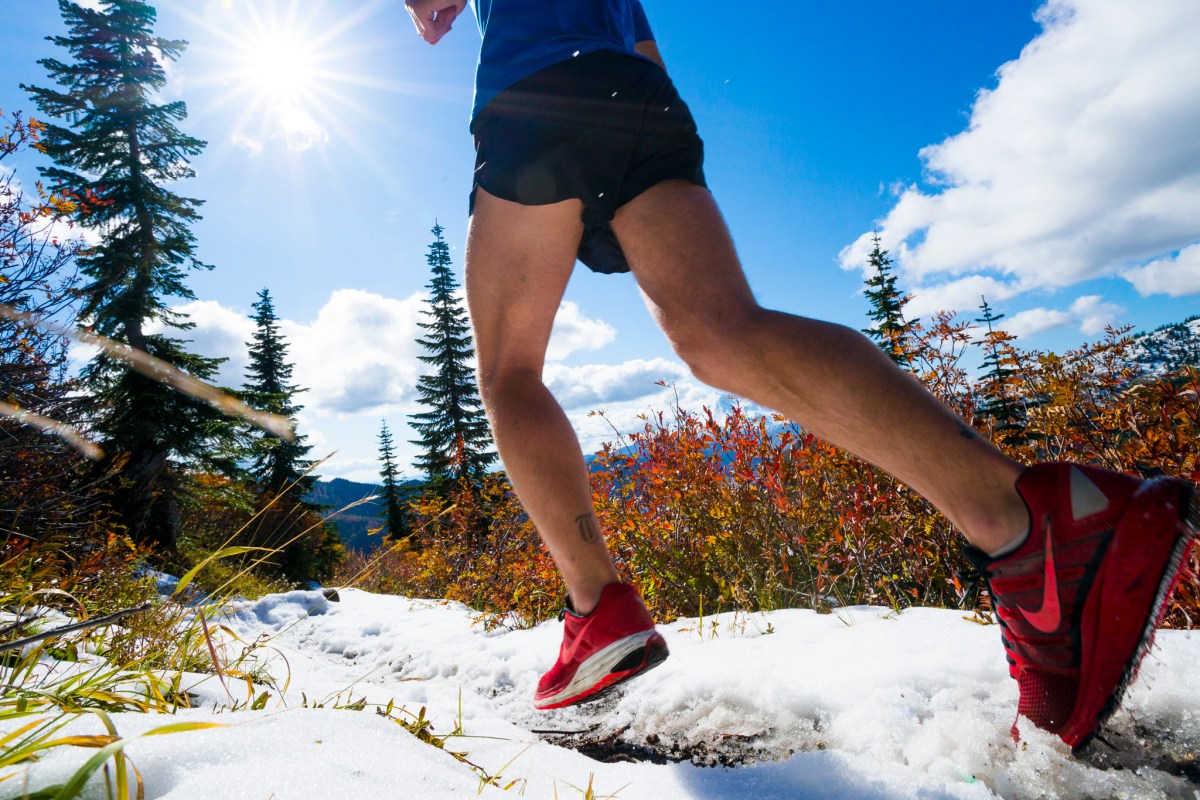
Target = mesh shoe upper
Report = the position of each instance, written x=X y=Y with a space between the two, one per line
x=1078 y=599
x=614 y=642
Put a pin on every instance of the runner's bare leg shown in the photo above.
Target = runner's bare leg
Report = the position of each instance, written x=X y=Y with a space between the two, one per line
x=828 y=378
x=519 y=259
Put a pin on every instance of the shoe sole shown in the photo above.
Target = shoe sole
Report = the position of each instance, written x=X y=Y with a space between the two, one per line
x=606 y=670
x=1188 y=525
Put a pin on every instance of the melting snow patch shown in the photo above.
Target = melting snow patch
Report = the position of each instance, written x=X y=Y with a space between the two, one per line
x=861 y=703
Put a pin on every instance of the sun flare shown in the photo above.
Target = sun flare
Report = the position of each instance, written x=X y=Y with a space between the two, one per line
x=290 y=73
x=281 y=67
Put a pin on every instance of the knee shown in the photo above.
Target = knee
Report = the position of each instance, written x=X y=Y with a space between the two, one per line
x=497 y=381
x=719 y=348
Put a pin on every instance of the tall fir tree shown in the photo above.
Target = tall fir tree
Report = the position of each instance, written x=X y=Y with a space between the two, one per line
x=277 y=464
x=126 y=152
x=891 y=330
x=454 y=436
x=308 y=547
x=393 y=509
x=999 y=396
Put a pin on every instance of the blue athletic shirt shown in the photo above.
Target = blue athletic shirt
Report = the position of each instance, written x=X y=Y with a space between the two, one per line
x=521 y=37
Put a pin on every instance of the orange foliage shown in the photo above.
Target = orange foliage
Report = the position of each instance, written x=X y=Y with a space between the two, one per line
x=740 y=511
x=475 y=545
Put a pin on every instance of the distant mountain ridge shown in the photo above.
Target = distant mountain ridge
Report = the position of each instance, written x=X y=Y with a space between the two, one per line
x=1169 y=347
x=354 y=525
x=340 y=492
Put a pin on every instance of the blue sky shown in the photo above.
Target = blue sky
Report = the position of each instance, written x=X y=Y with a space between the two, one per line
x=1043 y=154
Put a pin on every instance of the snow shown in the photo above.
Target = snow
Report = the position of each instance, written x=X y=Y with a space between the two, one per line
x=862 y=703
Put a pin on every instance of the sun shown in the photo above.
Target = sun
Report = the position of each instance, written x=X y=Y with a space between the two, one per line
x=281 y=66
x=269 y=54
x=290 y=72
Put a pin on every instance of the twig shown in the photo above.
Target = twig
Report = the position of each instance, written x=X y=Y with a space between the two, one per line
x=77 y=626
x=159 y=370
x=19 y=624
x=62 y=430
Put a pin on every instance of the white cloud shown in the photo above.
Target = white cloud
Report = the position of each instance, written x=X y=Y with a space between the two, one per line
x=250 y=144
x=1036 y=320
x=220 y=332
x=621 y=417
x=94 y=5
x=574 y=331
x=64 y=230
x=359 y=354
x=1090 y=313
x=594 y=385
x=1094 y=315
x=358 y=361
x=1081 y=162
x=959 y=295
x=299 y=129
x=1176 y=275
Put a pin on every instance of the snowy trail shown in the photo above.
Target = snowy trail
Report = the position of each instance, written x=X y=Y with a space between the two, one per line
x=862 y=703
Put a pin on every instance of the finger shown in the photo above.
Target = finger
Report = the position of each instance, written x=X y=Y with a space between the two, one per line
x=423 y=14
x=443 y=20
x=418 y=23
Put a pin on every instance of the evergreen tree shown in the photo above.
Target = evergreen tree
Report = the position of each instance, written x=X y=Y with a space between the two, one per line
x=277 y=464
x=397 y=524
x=454 y=436
x=1000 y=399
x=890 y=330
x=126 y=152
x=309 y=547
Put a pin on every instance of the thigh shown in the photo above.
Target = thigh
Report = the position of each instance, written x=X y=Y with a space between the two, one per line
x=519 y=259
x=683 y=257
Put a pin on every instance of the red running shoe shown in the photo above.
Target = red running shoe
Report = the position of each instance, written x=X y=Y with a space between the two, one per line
x=1078 y=602
x=612 y=644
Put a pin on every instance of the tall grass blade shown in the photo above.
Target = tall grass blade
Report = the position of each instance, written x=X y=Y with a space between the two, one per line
x=226 y=552
x=72 y=788
x=182 y=727
x=212 y=651
x=62 y=430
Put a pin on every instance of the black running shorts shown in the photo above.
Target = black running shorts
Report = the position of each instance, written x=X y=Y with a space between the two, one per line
x=602 y=127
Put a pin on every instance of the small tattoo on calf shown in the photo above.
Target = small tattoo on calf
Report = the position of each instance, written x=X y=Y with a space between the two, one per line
x=589 y=531
x=965 y=432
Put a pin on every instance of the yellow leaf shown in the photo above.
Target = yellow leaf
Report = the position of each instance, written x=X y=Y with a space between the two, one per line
x=181 y=727
x=83 y=741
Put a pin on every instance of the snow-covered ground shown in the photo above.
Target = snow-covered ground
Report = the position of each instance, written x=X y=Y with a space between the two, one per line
x=862 y=703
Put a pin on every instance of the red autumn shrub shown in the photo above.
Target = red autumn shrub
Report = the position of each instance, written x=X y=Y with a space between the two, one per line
x=711 y=513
